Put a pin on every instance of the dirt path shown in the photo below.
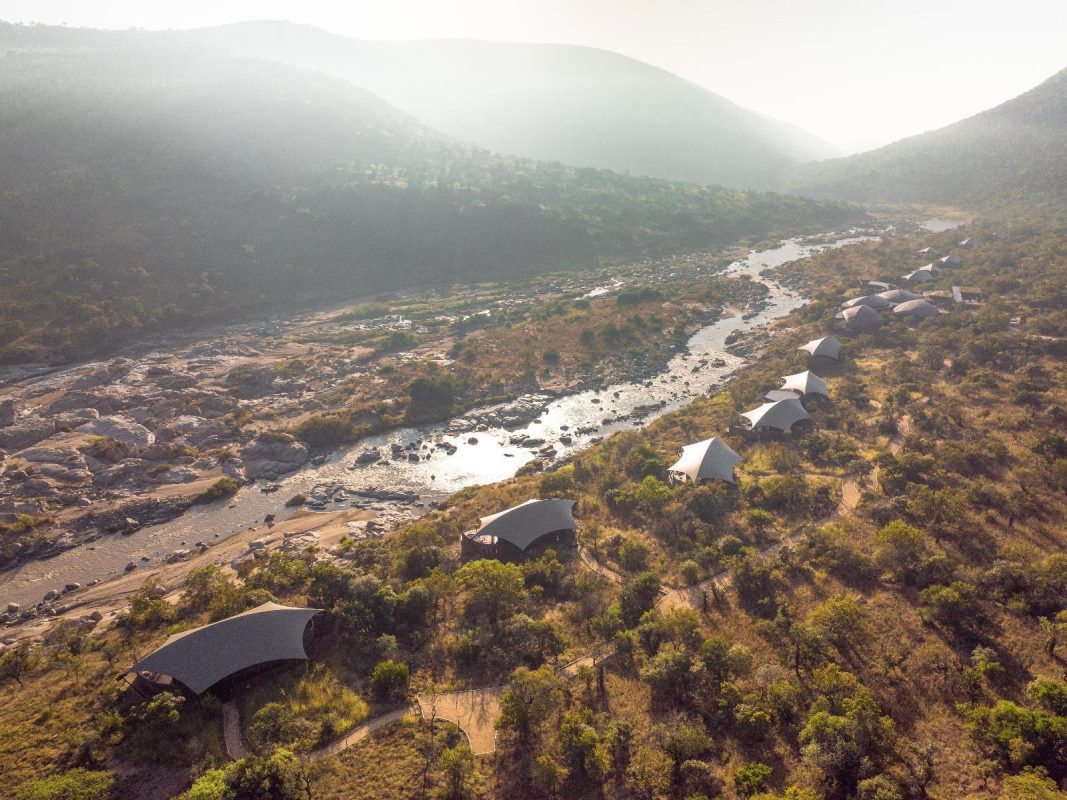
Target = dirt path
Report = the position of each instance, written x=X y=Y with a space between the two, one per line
x=357 y=735
x=590 y=561
x=475 y=711
x=231 y=732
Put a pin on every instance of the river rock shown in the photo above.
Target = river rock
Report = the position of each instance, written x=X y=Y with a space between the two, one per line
x=121 y=429
x=372 y=455
x=250 y=381
x=270 y=456
x=101 y=376
x=65 y=474
x=13 y=608
x=75 y=399
x=69 y=420
x=15 y=437
x=7 y=412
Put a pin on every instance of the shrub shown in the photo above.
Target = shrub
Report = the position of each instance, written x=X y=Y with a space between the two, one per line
x=76 y=784
x=223 y=487
x=431 y=398
x=325 y=431
x=389 y=681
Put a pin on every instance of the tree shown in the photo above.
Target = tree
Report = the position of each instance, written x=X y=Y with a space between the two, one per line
x=956 y=606
x=581 y=746
x=494 y=589
x=389 y=681
x=751 y=777
x=639 y=594
x=670 y=674
x=1032 y=784
x=531 y=695
x=76 y=784
x=841 y=621
x=458 y=765
x=649 y=772
x=19 y=661
x=683 y=739
x=903 y=548
x=276 y=777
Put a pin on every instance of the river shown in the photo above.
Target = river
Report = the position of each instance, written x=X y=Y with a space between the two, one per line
x=493 y=457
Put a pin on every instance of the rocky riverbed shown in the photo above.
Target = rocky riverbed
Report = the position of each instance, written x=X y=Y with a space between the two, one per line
x=103 y=462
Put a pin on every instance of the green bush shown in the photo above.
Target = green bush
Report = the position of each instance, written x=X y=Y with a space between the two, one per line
x=223 y=487
x=77 y=784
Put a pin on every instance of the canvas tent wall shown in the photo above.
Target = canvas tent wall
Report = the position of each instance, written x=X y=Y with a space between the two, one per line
x=916 y=308
x=898 y=296
x=859 y=319
x=781 y=415
x=706 y=460
x=826 y=347
x=805 y=383
x=873 y=300
x=200 y=658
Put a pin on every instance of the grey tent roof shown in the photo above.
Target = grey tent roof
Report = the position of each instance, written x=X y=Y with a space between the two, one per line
x=201 y=657
x=898 y=295
x=711 y=458
x=860 y=318
x=783 y=414
x=916 y=308
x=827 y=346
x=920 y=276
x=873 y=300
x=524 y=524
x=928 y=251
x=805 y=382
x=952 y=260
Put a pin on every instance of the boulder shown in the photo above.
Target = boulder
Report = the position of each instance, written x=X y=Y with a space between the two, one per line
x=270 y=456
x=15 y=437
x=69 y=420
x=7 y=412
x=75 y=399
x=121 y=429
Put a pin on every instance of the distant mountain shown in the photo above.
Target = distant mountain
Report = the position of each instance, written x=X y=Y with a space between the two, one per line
x=146 y=184
x=577 y=105
x=1014 y=153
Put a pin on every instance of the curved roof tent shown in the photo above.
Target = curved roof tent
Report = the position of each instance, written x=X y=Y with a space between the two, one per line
x=916 y=308
x=202 y=657
x=898 y=295
x=860 y=318
x=828 y=347
x=524 y=524
x=783 y=415
x=806 y=382
x=919 y=276
x=711 y=458
x=874 y=301
x=952 y=260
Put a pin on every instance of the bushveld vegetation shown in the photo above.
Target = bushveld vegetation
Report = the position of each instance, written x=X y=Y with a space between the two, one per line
x=906 y=644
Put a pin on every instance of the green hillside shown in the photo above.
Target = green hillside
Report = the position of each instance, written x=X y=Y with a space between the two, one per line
x=1011 y=155
x=147 y=187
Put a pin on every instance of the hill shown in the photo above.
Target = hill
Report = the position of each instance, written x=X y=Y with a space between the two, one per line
x=148 y=186
x=577 y=105
x=1015 y=153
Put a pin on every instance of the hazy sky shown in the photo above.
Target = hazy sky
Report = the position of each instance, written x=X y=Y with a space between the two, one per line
x=859 y=73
